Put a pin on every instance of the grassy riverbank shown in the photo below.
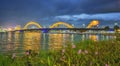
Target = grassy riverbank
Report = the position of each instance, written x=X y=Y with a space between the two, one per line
x=84 y=53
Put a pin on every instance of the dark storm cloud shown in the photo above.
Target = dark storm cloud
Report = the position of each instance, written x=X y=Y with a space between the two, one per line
x=25 y=10
x=57 y=7
x=86 y=6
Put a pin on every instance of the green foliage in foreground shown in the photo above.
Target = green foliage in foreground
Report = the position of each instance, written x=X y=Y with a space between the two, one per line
x=85 y=53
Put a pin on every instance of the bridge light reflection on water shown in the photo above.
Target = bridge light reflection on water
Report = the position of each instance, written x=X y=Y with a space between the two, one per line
x=36 y=40
x=48 y=38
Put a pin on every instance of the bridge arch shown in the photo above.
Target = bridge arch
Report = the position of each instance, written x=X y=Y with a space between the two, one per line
x=32 y=23
x=93 y=23
x=61 y=23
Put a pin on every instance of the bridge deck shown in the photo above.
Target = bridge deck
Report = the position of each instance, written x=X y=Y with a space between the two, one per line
x=62 y=29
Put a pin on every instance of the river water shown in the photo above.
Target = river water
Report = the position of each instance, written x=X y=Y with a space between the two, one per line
x=37 y=40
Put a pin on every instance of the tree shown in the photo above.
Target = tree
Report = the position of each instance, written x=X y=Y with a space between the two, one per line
x=116 y=27
x=106 y=27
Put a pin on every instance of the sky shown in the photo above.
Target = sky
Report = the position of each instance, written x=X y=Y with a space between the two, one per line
x=47 y=12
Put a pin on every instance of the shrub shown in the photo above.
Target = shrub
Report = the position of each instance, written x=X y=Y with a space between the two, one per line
x=84 y=53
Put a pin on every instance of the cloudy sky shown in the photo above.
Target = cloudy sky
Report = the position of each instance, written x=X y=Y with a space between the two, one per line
x=46 y=12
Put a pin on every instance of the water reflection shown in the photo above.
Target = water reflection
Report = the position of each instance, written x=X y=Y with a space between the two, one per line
x=55 y=40
x=36 y=40
x=8 y=41
x=32 y=40
x=17 y=36
x=58 y=40
x=93 y=37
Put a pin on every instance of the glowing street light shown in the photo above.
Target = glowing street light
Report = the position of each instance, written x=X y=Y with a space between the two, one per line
x=9 y=29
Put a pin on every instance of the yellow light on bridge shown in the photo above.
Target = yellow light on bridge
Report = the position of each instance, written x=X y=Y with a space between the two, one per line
x=18 y=27
x=95 y=22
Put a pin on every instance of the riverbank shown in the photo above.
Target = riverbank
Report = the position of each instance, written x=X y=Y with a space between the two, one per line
x=84 y=53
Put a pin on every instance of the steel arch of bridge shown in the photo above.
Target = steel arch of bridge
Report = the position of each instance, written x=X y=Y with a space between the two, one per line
x=32 y=23
x=52 y=26
x=61 y=23
x=91 y=24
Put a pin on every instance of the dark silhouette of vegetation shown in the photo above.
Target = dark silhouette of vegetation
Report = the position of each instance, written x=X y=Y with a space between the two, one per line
x=107 y=28
x=116 y=27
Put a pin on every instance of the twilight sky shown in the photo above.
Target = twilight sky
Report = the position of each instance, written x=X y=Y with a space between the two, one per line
x=46 y=12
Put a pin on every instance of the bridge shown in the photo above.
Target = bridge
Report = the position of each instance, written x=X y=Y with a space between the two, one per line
x=55 y=25
x=53 y=37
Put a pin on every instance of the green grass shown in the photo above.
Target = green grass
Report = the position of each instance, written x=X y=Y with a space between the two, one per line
x=84 y=53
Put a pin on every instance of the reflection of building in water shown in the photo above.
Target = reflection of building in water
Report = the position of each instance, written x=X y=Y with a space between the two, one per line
x=32 y=40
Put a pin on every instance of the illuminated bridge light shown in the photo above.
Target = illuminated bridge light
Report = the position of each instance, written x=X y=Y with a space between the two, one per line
x=54 y=26
x=93 y=23
x=20 y=30
x=111 y=29
x=45 y=30
x=32 y=23
x=9 y=29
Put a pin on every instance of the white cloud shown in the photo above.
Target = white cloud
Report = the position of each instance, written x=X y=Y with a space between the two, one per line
x=107 y=16
x=67 y=17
